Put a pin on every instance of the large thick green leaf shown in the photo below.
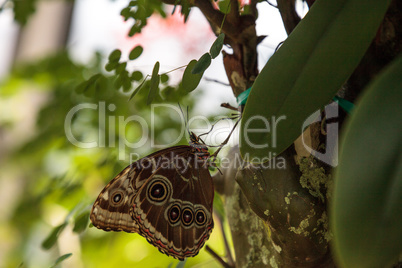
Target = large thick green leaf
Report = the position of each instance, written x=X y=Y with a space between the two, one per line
x=367 y=202
x=306 y=72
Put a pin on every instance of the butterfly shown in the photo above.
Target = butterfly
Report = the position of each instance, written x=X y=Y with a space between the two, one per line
x=166 y=197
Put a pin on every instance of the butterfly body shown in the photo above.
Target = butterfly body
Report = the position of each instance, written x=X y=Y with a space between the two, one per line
x=166 y=197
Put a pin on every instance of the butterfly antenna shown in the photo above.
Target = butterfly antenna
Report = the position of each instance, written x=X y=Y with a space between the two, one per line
x=213 y=156
x=221 y=119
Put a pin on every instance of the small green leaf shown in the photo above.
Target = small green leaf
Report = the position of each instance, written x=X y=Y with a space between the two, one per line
x=81 y=222
x=217 y=46
x=135 y=52
x=86 y=86
x=190 y=81
x=81 y=87
x=164 y=78
x=118 y=83
x=115 y=55
x=366 y=213
x=61 y=259
x=202 y=64
x=137 y=76
x=110 y=66
x=134 y=29
x=126 y=84
x=185 y=9
x=121 y=67
x=224 y=6
x=53 y=236
x=155 y=78
x=125 y=12
x=138 y=88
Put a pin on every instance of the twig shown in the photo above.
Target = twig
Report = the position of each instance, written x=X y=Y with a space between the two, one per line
x=269 y=3
x=217 y=257
x=206 y=133
x=226 y=243
x=216 y=81
x=225 y=141
x=228 y=106
x=175 y=69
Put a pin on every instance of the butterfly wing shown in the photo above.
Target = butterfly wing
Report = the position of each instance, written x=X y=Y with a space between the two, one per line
x=110 y=211
x=173 y=208
x=166 y=197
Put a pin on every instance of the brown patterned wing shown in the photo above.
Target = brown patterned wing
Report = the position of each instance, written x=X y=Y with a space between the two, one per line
x=111 y=210
x=173 y=203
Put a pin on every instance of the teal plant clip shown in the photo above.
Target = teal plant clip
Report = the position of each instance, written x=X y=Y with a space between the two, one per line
x=242 y=97
x=346 y=105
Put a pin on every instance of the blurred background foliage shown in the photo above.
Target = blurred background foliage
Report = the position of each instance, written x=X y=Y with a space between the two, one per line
x=48 y=184
x=53 y=183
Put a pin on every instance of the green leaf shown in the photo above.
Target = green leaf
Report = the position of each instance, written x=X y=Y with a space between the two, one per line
x=217 y=46
x=164 y=78
x=218 y=206
x=202 y=64
x=125 y=12
x=137 y=76
x=110 y=66
x=86 y=86
x=115 y=55
x=185 y=9
x=306 y=72
x=367 y=204
x=155 y=78
x=138 y=88
x=118 y=82
x=224 y=6
x=190 y=81
x=23 y=10
x=135 y=52
x=53 y=236
x=61 y=259
x=81 y=222
x=121 y=67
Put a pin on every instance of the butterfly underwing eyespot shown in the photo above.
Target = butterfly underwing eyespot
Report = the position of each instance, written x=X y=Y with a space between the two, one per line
x=166 y=197
x=117 y=198
x=173 y=214
x=200 y=217
x=187 y=217
x=158 y=192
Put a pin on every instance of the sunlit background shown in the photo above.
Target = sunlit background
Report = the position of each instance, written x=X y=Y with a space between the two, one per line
x=47 y=185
